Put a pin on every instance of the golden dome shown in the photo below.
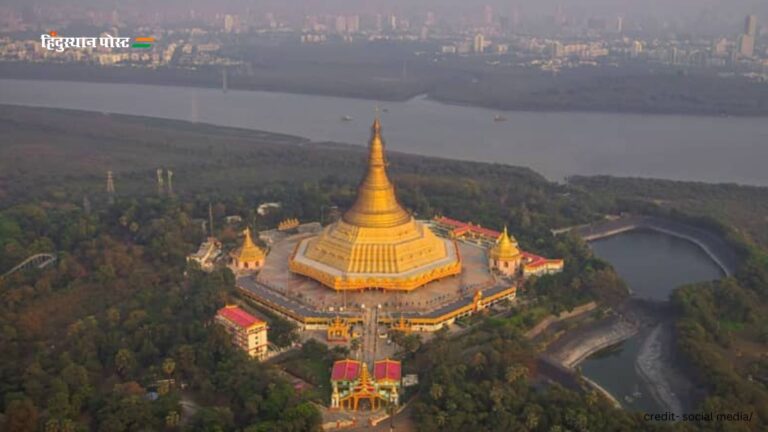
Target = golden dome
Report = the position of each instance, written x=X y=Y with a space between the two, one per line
x=249 y=252
x=376 y=244
x=376 y=205
x=505 y=248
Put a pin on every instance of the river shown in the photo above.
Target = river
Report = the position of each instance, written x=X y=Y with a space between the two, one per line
x=653 y=265
x=556 y=144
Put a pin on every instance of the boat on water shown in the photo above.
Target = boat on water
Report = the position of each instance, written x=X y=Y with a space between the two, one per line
x=499 y=118
x=346 y=118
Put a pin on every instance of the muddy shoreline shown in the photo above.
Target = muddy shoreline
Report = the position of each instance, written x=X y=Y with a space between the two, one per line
x=652 y=322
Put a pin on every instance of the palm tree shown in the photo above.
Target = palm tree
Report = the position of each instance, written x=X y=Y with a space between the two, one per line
x=531 y=419
x=441 y=419
x=172 y=419
x=514 y=373
x=123 y=361
x=168 y=366
x=436 y=391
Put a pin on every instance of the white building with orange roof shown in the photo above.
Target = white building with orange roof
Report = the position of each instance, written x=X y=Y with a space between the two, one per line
x=248 y=332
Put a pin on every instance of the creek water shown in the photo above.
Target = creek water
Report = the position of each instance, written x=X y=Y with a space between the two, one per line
x=653 y=265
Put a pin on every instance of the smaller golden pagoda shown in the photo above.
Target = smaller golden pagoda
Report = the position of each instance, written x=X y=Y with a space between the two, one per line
x=288 y=224
x=248 y=256
x=338 y=330
x=505 y=256
x=402 y=326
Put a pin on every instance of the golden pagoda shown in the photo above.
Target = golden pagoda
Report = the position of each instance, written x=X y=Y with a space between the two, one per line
x=505 y=255
x=338 y=330
x=376 y=243
x=402 y=326
x=248 y=256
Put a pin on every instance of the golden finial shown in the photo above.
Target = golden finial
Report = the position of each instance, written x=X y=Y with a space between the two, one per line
x=376 y=127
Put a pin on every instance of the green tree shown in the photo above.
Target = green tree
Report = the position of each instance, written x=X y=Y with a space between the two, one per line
x=21 y=416
x=124 y=362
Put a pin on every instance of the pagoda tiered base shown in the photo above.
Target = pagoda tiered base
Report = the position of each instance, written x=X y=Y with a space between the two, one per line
x=332 y=277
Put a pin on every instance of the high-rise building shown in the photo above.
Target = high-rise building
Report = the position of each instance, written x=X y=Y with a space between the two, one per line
x=488 y=15
x=746 y=45
x=430 y=20
x=720 y=47
x=353 y=24
x=229 y=23
x=392 y=21
x=750 y=25
x=556 y=49
x=341 y=24
x=478 y=44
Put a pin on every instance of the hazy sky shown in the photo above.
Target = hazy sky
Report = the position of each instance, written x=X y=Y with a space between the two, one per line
x=691 y=13
x=656 y=7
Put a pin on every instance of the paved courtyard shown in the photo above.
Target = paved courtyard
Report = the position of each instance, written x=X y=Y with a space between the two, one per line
x=435 y=295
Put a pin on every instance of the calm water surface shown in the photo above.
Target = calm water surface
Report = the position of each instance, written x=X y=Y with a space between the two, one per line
x=653 y=264
x=709 y=149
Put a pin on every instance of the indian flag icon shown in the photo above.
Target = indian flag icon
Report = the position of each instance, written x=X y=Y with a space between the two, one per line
x=143 y=42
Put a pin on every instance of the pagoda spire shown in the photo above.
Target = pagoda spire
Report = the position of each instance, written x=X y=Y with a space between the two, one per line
x=376 y=205
x=365 y=380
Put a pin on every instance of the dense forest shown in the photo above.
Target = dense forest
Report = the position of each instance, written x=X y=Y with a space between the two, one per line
x=117 y=336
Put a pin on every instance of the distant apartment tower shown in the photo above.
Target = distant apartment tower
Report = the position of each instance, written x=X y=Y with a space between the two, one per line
x=353 y=23
x=750 y=25
x=478 y=44
x=341 y=24
x=746 y=45
x=392 y=21
x=248 y=332
x=556 y=49
x=720 y=47
x=488 y=15
x=230 y=22
x=430 y=20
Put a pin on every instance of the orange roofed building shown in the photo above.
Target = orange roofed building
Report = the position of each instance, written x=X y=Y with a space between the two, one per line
x=353 y=384
x=504 y=254
x=248 y=332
